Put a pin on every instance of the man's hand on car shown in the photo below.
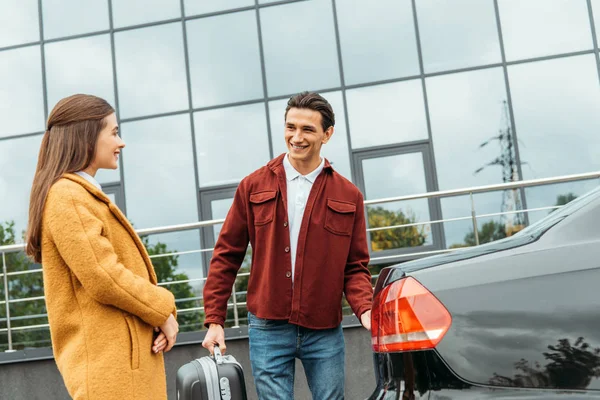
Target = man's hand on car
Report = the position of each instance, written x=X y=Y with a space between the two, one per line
x=365 y=320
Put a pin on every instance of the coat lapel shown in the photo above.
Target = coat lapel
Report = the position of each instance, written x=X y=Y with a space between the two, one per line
x=121 y=218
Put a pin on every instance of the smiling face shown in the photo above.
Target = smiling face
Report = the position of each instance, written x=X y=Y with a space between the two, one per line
x=108 y=147
x=304 y=136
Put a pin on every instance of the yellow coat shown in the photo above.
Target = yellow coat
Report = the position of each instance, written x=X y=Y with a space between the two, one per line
x=101 y=297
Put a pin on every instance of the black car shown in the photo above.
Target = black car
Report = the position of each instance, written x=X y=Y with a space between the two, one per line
x=518 y=318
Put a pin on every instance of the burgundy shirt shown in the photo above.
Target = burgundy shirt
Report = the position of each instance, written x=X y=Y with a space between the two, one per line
x=332 y=253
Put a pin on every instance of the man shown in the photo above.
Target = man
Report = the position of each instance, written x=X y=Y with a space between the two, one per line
x=307 y=229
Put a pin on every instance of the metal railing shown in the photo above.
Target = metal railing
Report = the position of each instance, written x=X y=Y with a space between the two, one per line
x=235 y=304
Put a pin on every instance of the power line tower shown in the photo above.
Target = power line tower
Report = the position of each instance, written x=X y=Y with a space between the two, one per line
x=511 y=199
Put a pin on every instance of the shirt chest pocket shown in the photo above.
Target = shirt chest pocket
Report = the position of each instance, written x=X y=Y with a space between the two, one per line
x=263 y=206
x=339 y=217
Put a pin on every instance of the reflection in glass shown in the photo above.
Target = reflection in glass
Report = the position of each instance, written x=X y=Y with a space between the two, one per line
x=460 y=233
x=555 y=195
x=73 y=17
x=233 y=133
x=151 y=70
x=19 y=22
x=596 y=14
x=457 y=34
x=179 y=267
x=377 y=40
x=392 y=176
x=159 y=172
x=299 y=58
x=18 y=159
x=224 y=59
x=556 y=105
x=79 y=66
x=387 y=114
x=108 y=176
x=219 y=209
x=538 y=28
x=467 y=110
x=336 y=150
x=21 y=102
x=134 y=12
x=195 y=7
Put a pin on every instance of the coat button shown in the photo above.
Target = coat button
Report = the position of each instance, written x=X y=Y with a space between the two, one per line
x=288 y=274
x=287 y=249
x=285 y=224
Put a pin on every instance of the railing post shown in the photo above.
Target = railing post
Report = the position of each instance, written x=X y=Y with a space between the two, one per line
x=236 y=319
x=474 y=219
x=6 y=303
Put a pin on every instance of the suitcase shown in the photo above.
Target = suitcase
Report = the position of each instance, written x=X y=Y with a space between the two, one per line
x=215 y=377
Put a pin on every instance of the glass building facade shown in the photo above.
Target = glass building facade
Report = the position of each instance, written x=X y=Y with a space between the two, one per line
x=428 y=95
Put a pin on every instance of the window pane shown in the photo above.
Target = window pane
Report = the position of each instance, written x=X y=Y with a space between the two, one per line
x=386 y=114
x=297 y=57
x=224 y=59
x=543 y=27
x=134 y=12
x=79 y=66
x=377 y=39
x=151 y=70
x=73 y=17
x=21 y=102
x=466 y=111
x=392 y=176
x=555 y=195
x=596 y=13
x=336 y=150
x=461 y=234
x=195 y=7
x=556 y=107
x=457 y=34
x=188 y=265
x=18 y=160
x=108 y=176
x=158 y=151
x=233 y=133
x=219 y=209
x=19 y=22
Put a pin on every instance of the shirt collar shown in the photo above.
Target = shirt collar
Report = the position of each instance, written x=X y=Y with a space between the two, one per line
x=89 y=178
x=291 y=173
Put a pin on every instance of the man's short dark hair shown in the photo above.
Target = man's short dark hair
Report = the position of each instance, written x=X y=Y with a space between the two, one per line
x=315 y=102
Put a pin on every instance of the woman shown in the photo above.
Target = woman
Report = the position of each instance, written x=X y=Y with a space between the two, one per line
x=103 y=303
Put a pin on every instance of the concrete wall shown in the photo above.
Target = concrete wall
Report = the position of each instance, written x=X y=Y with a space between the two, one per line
x=39 y=379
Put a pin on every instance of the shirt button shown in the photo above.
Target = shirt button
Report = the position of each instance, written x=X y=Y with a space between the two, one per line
x=288 y=274
x=285 y=224
x=287 y=249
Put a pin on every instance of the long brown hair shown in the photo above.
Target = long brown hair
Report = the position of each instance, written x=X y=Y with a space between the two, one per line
x=68 y=145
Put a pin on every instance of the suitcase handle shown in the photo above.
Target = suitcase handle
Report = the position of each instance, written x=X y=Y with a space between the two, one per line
x=217 y=355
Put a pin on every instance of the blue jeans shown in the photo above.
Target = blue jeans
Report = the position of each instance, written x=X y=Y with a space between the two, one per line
x=274 y=347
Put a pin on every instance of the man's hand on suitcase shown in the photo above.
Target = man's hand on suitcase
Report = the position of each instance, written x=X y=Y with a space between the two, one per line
x=215 y=335
x=167 y=336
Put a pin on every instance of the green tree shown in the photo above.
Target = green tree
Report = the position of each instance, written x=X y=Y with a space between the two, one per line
x=489 y=232
x=563 y=199
x=20 y=287
x=388 y=239
x=31 y=285
x=166 y=271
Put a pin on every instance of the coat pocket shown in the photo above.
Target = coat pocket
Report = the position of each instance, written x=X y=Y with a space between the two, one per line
x=339 y=217
x=263 y=206
x=135 y=344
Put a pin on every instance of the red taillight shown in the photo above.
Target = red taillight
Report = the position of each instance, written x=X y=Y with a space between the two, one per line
x=407 y=316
